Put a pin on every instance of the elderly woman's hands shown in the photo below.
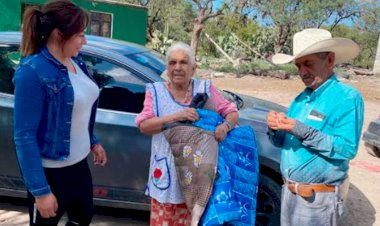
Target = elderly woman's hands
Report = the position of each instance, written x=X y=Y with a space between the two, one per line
x=187 y=114
x=221 y=132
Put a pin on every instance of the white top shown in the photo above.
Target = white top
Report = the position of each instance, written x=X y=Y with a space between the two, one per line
x=85 y=94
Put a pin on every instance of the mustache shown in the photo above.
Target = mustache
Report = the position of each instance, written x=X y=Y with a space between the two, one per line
x=307 y=76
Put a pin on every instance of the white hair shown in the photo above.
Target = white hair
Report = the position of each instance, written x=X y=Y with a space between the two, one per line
x=183 y=47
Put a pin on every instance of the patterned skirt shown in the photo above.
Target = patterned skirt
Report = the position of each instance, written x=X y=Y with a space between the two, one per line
x=166 y=214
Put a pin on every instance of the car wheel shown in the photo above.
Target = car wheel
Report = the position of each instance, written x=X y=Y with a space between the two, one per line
x=372 y=150
x=268 y=202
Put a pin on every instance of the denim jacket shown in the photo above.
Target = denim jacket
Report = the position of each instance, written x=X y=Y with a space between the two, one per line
x=43 y=108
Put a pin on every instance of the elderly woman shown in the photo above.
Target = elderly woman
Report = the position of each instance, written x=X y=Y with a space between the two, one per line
x=168 y=102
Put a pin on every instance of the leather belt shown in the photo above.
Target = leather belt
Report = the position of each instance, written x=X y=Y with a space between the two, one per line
x=308 y=190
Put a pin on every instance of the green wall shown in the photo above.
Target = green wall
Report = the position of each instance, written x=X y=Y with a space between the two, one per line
x=128 y=22
x=11 y=15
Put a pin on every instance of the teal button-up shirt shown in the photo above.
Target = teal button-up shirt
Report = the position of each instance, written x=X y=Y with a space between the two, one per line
x=326 y=134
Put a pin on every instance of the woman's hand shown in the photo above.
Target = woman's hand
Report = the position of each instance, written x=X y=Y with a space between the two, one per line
x=47 y=205
x=221 y=132
x=187 y=114
x=100 y=157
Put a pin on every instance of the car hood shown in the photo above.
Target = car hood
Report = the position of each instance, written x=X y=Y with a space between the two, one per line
x=256 y=109
x=253 y=112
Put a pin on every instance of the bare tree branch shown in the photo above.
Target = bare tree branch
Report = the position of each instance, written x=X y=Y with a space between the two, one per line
x=205 y=12
x=338 y=20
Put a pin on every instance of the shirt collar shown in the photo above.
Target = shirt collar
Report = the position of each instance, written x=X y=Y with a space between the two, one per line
x=312 y=94
x=45 y=52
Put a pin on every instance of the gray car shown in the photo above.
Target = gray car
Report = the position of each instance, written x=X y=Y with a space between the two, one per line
x=371 y=138
x=122 y=69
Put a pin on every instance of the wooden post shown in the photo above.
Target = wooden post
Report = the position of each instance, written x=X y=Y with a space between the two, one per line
x=221 y=50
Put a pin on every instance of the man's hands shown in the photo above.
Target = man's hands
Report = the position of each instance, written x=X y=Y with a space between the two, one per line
x=100 y=157
x=47 y=205
x=278 y=121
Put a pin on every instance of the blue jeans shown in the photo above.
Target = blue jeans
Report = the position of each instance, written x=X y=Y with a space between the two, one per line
x=321 y=209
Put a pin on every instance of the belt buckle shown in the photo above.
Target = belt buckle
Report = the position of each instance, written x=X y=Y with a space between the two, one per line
x=300 y=189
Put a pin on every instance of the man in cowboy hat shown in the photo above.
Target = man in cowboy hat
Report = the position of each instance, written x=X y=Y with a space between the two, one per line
x=320 y=133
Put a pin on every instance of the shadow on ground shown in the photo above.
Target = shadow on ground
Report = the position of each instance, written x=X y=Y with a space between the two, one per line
x=360 y=211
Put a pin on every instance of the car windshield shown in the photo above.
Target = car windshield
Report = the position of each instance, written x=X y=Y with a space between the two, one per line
x=146 y=57
x=152 y=60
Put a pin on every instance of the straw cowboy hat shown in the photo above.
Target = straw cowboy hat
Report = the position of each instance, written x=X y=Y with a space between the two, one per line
x=313 y=40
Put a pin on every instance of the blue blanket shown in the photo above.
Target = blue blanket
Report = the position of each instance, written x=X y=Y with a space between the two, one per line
x=234 y=194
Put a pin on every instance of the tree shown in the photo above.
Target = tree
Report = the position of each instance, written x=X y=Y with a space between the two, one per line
x=365 y=39
x=289 y=16
x=167 y=16
x=326 y=12
x=205 y=11
x=283 y=15
x=370 y=21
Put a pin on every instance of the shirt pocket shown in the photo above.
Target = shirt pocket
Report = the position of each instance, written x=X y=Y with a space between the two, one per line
x=160 y=173
x=316 y=119
x=54 y=86
x=56 y=97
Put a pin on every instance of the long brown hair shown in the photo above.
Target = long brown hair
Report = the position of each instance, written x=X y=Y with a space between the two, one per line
x=37 y=24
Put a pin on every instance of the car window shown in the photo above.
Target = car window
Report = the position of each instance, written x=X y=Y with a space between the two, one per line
x=149 y=60
x=106 y=72
x=120 y=89
x=9 y=60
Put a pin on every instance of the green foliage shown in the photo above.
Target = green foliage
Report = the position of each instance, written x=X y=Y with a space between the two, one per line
x=205 y=62
x=225 y=68
x=289 y=68
x=317 y=13
x=245 y=32
x=180 y=21
x=230 y=45
x=289 y=16
x=160 y=42
x=220 y=29
x=262 y=40
x=204 y=66
x=265 y=26
x=255 y=65
x=366 y=40
x=369 y=18
x=172 y=17
x=214 y=28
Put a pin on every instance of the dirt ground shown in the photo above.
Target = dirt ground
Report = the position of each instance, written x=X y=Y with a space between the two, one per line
x=364 y=196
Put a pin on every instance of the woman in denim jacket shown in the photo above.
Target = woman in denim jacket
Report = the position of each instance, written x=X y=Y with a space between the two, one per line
x=54 y=115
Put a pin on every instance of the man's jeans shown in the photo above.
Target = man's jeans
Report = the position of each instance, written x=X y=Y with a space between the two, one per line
x=323 y=208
